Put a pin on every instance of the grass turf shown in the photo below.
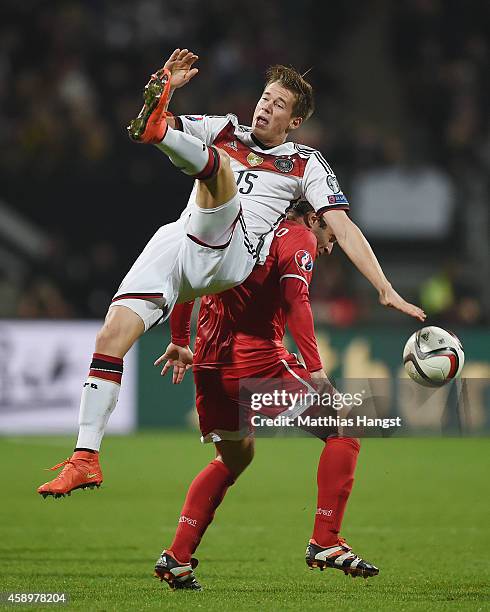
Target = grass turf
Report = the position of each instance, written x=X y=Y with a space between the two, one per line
x=419 y=510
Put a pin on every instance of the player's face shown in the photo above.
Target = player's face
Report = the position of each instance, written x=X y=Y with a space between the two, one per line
x=273 y=115
x=325 y=238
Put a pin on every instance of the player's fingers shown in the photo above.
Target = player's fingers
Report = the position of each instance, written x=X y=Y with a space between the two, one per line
x=179 y=375
x=167 y=355
x=159 y=360
x=416 y=309
x=192 y=73
x=415 y=312
x=182 y=54
x=188 y=61
x=166 y=368
x=172 y=58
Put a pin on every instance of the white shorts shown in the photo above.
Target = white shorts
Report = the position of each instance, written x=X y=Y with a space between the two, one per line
x=204 y=252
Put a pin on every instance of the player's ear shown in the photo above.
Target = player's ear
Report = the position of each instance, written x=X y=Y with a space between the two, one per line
x=295 y=123
x=310 y=219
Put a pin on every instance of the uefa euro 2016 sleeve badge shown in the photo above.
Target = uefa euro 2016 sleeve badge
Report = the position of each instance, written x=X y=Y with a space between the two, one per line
x=304 y=261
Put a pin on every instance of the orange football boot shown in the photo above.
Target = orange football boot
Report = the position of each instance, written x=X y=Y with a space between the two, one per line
x=80 y=471
x=150 y=125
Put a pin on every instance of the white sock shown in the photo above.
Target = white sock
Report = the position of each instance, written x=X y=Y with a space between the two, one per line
x=186 y=152
x=99 y=398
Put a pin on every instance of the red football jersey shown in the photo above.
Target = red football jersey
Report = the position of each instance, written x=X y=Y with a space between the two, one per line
x=244 y=326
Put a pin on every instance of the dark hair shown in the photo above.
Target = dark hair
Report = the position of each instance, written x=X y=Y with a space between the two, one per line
x=291 y=79
x=302 y=208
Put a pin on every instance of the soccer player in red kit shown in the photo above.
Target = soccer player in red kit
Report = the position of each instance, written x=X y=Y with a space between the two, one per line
x=239 y=336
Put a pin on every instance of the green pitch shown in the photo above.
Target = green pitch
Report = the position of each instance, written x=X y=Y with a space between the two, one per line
x=419 y=510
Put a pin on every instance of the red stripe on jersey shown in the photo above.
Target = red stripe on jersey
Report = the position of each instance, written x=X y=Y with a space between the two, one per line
x=228 y=141
x=106 y=375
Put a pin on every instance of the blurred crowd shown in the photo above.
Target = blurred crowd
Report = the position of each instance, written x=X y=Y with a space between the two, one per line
x=71 y=77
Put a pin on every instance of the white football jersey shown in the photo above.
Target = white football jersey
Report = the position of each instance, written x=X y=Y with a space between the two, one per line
x=268 y=179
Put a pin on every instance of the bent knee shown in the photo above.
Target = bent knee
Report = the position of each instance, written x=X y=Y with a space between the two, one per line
x=113 y=324
x=237 y=465
x=237 y=456
x=118 y=333
x=107 y=333
x=247 y=457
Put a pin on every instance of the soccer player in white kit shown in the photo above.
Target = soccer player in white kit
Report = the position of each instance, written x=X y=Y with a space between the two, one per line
x=246 y=177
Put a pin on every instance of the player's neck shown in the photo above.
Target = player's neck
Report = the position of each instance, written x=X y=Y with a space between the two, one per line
x=265 y=145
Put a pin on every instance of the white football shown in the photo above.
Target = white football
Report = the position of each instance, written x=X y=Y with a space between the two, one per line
x=433 y=356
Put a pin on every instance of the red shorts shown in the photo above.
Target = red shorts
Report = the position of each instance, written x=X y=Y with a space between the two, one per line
x=220 y=408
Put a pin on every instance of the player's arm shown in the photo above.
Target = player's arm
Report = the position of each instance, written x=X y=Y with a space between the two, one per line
x=180 y=64
x=296 y=304
x=352 y=241
x=178 y=354
x=295 y=256
x=180 y=323
x=322 y=190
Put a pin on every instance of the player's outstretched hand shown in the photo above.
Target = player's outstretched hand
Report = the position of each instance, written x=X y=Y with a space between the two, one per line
x=389 y=297
x=180 y=65
x=177 y=357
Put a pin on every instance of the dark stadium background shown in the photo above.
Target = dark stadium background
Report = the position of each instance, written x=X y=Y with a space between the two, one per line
x=402 y=95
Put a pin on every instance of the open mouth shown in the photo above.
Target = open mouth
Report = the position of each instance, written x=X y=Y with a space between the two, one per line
x=261 y=122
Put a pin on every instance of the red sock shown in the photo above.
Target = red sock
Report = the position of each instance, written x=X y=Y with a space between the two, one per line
x=335 y=478
x=203 y=497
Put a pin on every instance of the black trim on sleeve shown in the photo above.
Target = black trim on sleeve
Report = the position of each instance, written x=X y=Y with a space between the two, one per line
x=325 y=209
x=178 y=124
